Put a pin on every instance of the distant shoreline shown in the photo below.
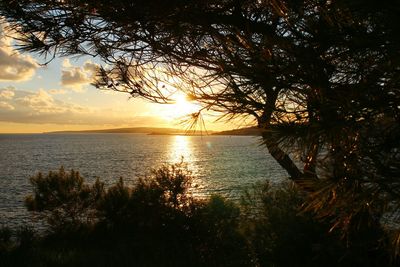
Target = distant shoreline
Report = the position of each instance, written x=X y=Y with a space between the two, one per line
x=249 y=131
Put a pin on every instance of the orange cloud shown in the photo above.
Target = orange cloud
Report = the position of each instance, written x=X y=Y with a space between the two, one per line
x=75 y=77
x=13 y=65
x=41 y=107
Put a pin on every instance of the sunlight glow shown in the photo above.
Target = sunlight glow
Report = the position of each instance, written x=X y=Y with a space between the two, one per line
x=180 y=149
x=180 y=108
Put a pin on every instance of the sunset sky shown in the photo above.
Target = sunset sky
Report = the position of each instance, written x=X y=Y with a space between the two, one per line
x=58 y=96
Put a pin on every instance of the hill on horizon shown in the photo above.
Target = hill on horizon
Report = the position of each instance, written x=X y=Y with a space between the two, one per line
x=251 y=131
x=148 y=130
x=166 y=131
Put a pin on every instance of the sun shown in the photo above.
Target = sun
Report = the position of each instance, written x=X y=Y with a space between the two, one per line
x=180 y=107
x=183 y=106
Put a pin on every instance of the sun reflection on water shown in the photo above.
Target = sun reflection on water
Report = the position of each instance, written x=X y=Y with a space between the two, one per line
x=181 y=149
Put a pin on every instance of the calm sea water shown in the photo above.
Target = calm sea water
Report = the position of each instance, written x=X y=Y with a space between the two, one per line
x=220 y=164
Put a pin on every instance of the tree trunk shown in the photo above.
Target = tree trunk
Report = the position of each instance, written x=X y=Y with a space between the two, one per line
x=282 y=158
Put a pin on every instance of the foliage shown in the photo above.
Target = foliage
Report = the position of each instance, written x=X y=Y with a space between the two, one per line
x=164 y=191
x=218 y=236
x=64 y=199
x=281 y=227
x=319 y=77
x=157 y=222
x=149 y=223
x=17 y=246
x=5 y=238
x=163 y=217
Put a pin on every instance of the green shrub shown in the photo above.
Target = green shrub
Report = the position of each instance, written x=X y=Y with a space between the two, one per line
x=157 y=222
x=284 y=234
x=148 y=223
x=158 y=216
x=162 y=195
x=219 y=241
x=63 y=199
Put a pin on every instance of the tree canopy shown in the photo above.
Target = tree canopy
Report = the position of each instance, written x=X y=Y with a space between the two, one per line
x=319 y=78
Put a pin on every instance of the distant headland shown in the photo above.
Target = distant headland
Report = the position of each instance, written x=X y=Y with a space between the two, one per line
x=252 y=131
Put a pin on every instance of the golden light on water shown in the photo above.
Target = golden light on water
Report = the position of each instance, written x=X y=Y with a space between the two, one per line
x=181 y=149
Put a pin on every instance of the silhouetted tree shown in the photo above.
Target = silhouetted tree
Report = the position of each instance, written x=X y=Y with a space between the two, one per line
x=64 y=200
x=320 y=78
x=155 y=222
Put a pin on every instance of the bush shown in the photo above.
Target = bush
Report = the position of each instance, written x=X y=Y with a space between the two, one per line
x=161 y=219
x=219 y=239
x=5 y=239
x=161 y=196
x=284 y=234
x=157 y=222
x=17 y=246
x=63 y=199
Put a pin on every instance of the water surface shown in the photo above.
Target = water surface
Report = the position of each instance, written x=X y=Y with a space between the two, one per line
x=220 y=164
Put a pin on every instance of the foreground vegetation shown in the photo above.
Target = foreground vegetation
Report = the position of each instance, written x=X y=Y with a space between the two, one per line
x=320 y=79
x=157 y=222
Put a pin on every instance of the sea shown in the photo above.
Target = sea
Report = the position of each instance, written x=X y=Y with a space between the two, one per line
x=225 y=165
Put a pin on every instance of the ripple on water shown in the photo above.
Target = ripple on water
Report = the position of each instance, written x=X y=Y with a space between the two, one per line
x=224 y=165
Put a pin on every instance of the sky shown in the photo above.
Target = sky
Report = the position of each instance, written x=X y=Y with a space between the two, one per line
x=37 y=98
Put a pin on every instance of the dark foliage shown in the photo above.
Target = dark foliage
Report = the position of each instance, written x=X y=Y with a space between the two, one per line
x=320 y=78
x=157 y=222
x=282 y=234
x=64 y=199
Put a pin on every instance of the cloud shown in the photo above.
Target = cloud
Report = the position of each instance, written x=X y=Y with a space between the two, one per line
x=40 y=102
x=57 y=91
x=66 y=63
x=75 y=77
x=91 y=67
x=13 y=65
x=41 y=107
x=7 y=93
x=6 y=106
